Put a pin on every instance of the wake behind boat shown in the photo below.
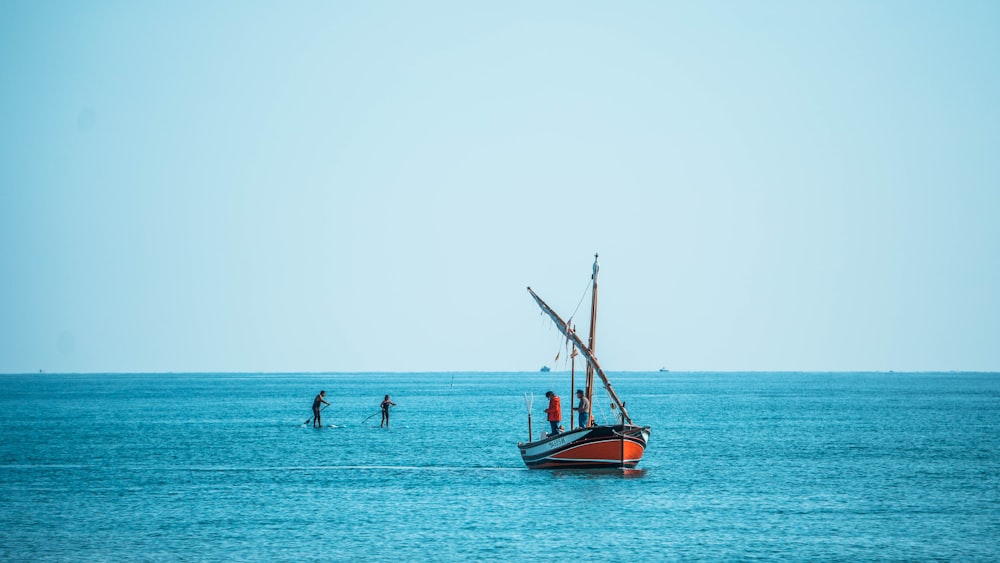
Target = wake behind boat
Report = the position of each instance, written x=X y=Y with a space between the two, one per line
x=592 y=446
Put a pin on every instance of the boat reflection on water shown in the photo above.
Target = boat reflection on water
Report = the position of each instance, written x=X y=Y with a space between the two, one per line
x=610 y=473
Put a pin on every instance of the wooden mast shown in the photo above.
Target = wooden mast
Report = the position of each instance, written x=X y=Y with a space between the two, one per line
x=572 y=383
x=589 y=390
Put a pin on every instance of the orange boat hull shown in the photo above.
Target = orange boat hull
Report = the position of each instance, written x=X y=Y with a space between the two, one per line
x=598 y=447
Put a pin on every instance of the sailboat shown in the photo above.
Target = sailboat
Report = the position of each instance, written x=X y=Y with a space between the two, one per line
x=594 y=446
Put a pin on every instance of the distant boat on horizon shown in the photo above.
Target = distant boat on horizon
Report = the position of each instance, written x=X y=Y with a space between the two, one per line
x=544 y=369
x=664 y=370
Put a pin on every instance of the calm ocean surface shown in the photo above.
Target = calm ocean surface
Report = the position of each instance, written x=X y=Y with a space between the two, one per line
x=219 y=467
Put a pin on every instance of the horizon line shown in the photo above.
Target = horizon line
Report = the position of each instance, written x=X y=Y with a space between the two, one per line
x=445 y=372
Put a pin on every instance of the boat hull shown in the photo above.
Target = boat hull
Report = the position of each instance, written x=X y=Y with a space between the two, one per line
x=597 y=447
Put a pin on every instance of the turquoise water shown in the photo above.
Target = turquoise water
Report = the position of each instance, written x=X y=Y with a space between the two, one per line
x=220 y=467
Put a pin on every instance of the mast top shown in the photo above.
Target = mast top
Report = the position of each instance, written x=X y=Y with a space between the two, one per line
x=597 y=267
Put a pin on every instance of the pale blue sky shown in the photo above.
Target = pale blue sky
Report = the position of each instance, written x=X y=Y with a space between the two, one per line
x=365 y=186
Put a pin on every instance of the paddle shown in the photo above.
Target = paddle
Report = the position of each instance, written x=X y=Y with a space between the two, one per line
x=311 y=418
x=375 y=413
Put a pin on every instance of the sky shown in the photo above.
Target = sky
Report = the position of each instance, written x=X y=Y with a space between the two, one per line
x=370 y=186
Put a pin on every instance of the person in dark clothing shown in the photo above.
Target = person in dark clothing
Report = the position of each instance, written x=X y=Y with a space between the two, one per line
x=386 y=403
x=316 y=409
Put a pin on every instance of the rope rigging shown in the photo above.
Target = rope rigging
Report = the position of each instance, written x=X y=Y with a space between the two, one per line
x=582 y=297
x=565 y=342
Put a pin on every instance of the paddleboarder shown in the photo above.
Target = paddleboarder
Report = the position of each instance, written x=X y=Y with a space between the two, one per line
x=316 y=409
x=554 y=411
x=386 y=403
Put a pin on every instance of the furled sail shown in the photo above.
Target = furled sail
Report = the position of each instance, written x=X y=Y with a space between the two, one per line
x=572 y=336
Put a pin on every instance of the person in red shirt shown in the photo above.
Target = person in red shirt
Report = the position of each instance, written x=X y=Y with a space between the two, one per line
x=554 y=411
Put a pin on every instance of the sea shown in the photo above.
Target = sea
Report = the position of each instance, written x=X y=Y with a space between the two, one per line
x=739 y=466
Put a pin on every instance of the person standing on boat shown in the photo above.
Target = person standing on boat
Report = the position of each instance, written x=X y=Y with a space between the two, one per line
x=583 y=409
x=316 y=410
x=554 y=411
x=386 y=403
